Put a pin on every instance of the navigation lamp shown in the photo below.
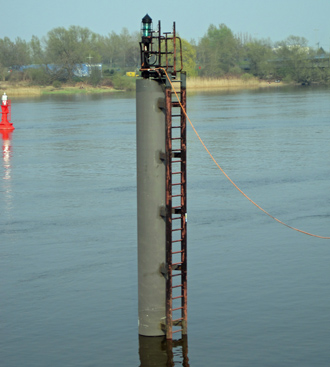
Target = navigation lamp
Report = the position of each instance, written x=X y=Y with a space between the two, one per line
x=146 y=26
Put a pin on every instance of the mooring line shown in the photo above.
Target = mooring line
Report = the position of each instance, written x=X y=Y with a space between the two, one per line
x=225 y=174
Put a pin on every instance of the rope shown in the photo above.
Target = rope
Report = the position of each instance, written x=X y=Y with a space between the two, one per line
x=225 y=174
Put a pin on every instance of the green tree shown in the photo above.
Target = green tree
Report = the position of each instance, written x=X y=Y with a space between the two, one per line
x=259 y=55
x=120 y=50
x=3 y=73
x=22 y=53
x=37 y=52
x=7 y=52
x=14 y=54
x=69 y=48
x=293 y=59
x=189 y=58
x=128 y=48
x=111 y=50
x=218 y=51
x=95 y=76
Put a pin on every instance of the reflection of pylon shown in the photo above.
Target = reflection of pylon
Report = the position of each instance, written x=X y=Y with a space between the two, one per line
x=5 y=124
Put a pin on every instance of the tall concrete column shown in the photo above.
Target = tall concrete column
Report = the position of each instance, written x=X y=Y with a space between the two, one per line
x=150 y=129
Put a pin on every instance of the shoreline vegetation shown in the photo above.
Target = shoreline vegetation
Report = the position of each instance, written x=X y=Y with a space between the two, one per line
x=220 y=60
x=193 y=84
x=21 y=90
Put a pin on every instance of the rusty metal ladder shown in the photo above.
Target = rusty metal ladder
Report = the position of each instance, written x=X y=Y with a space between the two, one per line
x=176 y=208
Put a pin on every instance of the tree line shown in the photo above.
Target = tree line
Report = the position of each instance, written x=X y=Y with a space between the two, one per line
x=219 y=53
x=66 y=48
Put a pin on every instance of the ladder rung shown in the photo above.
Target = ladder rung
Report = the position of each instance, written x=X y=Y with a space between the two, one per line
x=176 y=127
x=176 y=138
x=178 y=320
x=177 y=184
x=176 y=275
x=176 y=331
x=177 y=252
x=177 y=229
x=176 y=196
x=177 y=286
x=177 y=297
x=175 y=242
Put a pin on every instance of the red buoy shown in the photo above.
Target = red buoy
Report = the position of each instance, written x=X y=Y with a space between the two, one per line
x=5 y=123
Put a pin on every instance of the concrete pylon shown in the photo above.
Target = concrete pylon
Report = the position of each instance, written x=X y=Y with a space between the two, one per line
x=150 y=120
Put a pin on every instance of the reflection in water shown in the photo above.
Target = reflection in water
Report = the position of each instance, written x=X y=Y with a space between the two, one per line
x=6 y=154
x=157 y=351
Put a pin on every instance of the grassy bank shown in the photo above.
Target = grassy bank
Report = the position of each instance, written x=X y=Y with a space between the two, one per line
x=198 y=83
x=77 y=90
x=227 y=83
x=20 y=90
x=17 y=90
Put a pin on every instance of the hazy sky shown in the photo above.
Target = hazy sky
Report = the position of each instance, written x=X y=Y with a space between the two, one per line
x=275 y=19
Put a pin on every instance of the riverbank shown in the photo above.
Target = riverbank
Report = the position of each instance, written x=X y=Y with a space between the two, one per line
x=229 y=83
x=193 y=84
x=21 y=89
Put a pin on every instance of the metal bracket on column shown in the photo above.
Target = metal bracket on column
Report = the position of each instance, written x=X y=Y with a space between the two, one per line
x=161 y=103
x=162 y=156
x=163 y=270
x=162 y=212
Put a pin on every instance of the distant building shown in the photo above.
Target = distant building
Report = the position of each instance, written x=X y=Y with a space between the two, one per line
x=84 y=70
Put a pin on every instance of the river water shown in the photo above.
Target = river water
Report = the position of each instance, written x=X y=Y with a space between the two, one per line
x=258 y=292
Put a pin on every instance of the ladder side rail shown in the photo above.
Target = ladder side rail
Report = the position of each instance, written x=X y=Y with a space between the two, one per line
x=174 y=50
x=181 y=58
x=168 y=213
x=159 y=45
x=166 y=51
x=184 y=202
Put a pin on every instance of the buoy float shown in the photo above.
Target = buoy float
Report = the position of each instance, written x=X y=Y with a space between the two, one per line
x=5 y=124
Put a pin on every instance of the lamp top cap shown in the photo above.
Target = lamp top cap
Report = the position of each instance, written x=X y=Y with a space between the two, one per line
x=146 y=19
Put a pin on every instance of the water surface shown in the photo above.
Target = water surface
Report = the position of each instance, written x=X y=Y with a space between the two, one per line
x=258 y=292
